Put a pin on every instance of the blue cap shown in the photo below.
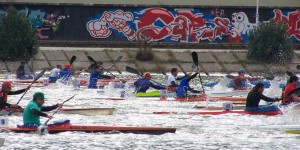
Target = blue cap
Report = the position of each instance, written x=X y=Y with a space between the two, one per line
x=241 y=71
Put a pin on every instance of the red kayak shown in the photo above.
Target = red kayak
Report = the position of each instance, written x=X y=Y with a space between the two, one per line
x=205 y=97
x=67 y=126
x=12 y=110
x=270 y=113
x=111 y=98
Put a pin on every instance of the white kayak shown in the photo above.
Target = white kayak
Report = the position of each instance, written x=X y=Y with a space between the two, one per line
x=88 y=111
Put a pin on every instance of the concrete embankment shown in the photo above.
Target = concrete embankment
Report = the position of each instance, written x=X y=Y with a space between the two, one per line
x=210 y=61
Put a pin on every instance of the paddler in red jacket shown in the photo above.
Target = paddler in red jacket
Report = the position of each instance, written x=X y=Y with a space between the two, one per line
x=6 y=90
x=240 y=82
x=292 y=84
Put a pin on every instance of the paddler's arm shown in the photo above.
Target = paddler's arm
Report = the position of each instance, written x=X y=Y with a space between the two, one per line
x=268 y=99
x=3 y=103
x=296 y=98
x=16 y=92
x=156 y=86
x=49 y=108
x=193 y=76
x=38 y=113
x=173 y=83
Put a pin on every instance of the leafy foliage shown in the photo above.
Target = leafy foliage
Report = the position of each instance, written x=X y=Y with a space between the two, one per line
x=145 y=53
x=18 y=40
x=270 y=43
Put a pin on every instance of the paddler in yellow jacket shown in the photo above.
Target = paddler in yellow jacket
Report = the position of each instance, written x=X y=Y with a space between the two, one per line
x=33 y=111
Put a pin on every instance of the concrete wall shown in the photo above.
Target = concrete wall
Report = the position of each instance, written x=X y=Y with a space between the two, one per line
x=209 y=61
x=265 y=3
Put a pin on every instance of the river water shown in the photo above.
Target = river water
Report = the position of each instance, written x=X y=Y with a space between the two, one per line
x=229 y=131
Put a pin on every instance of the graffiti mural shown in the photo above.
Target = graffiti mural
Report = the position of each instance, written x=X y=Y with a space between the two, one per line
x=184 y=25
x=169 y=25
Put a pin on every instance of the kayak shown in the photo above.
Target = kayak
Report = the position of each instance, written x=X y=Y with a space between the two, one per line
x=88 y=111
x=67 y=126
x=111 y=98
x=231 y=92
x=12 y=110
x=148 y=94
x=220 y=112
x=205 y=98
x=217 y=108
x=293 y=129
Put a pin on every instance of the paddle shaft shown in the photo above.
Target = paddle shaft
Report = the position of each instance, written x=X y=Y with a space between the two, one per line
x=58 y=109
x=115 y=76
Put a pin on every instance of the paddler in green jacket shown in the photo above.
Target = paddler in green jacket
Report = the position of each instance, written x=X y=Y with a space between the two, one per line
x=33 y=111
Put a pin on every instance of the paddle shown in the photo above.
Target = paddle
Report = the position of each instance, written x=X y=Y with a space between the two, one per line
x=72 y=59
x=42 y=127
x=229 y=76
x=196 y=62
x=293 y=93
x=290 y=73
x=134 y=71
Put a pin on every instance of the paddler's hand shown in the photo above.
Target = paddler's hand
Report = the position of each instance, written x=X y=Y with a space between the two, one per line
x=59 y=105
x=49 y=116
x=28 y=87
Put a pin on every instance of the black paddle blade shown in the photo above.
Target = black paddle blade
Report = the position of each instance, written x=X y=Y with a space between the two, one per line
x=298 y=67
x=229 y=76
x=93 y=65
x=134 y=71
x=72 y=59
x=290 y=73
x=195 y=58
x=91 y=59
x=293 y=93
x=270 y=77
x=119 y=59
x=39 y=75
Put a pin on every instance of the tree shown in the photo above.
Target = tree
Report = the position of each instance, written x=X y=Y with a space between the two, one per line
x=270 y=43
x=18 y=40
x=145 y=52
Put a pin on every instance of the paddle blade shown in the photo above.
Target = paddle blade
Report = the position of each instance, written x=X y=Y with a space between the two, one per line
x=91 y=59
x=195 y=58
x=229 y=76
x=298 y=67
x=72 y=59
x=93 y=65
x=39 y=75
x=270 y=77
x=193 y=66
x=290 y=73
x=119 y=59
x=134 y=71
x=293 y=93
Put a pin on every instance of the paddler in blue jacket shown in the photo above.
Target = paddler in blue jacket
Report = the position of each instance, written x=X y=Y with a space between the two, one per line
x=184 y=86
x=33 y=111
x=95 y=75
x=66 y=73
x=143 y=84
x=254 y=97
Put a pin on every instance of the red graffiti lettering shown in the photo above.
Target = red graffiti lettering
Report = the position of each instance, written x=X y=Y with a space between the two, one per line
x=292 y=20
x=147 y=28
x=220 y=28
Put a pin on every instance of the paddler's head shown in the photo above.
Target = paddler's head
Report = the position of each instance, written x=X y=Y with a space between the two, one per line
x=6 y=86
x=241 y=72
x=294 y=80
x=97 y=68
x=174 y=72
x=147 y=75
x=39 y=98
x=259 y=87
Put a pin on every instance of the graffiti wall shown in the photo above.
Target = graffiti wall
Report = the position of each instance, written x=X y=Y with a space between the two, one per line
x=185 y=25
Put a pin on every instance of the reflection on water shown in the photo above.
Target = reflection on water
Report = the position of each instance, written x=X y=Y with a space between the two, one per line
x=231 y=131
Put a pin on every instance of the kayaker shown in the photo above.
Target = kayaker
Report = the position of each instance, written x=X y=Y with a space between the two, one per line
x=33 y=111
x=6 y=90
x=54 y=74
x=66 y=73
x=254 y=97
x=240 y=82
x=292 y=84
x=143 y=84
x=184 y=86
x=94 y=76
x=21 y=74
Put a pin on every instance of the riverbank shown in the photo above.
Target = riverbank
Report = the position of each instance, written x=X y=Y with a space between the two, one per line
x=210 y=61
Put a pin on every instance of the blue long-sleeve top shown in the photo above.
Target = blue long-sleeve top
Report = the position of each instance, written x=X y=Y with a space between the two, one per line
x=65 y=73
x=94 y=76
x=143 y=84
x=184 y=86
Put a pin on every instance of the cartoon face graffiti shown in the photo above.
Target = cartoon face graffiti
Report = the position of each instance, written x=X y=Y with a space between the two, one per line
x=240 y=26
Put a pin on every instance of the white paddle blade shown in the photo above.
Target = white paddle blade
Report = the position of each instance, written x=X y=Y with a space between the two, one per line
x=42 y=129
